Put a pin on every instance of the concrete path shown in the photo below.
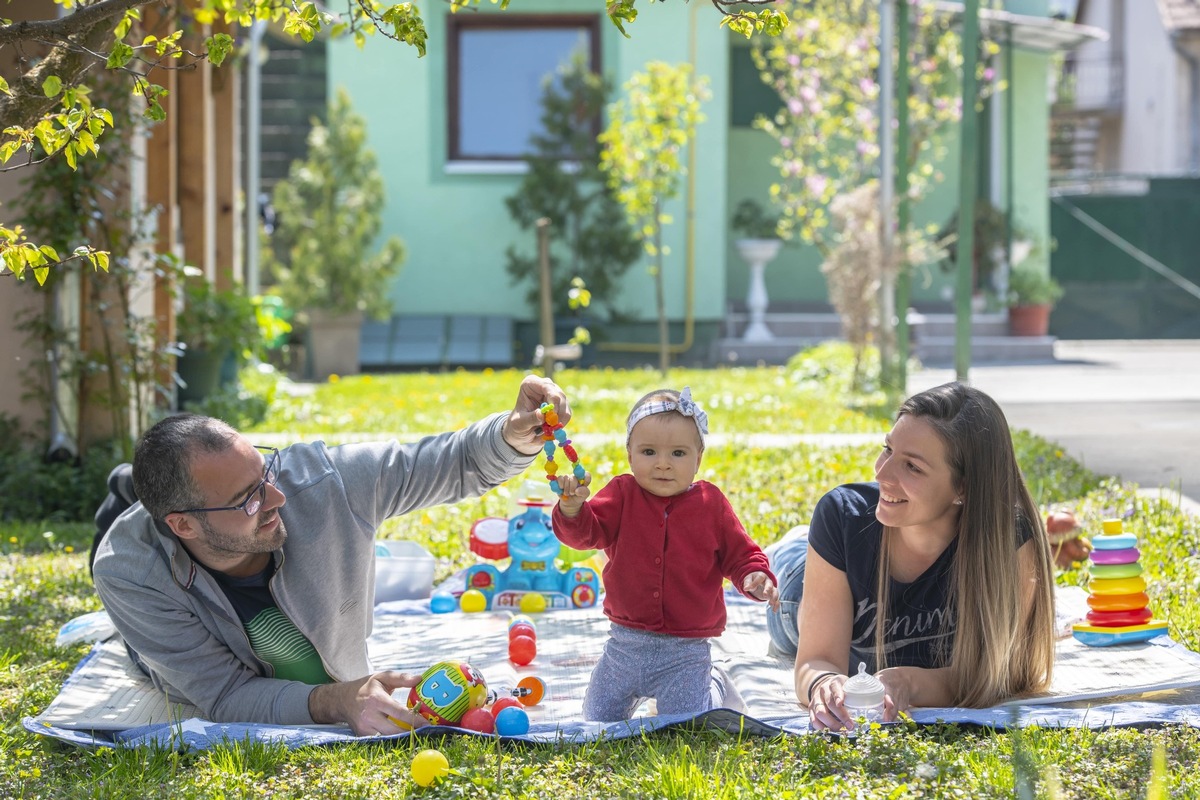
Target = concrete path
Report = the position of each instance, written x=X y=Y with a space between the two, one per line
x=1124 y=408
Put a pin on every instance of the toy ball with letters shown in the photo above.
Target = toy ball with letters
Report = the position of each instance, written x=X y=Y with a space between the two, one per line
x=446 y=691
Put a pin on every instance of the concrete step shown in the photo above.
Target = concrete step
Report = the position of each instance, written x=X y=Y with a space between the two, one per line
x=938 y=351
x=933 y=337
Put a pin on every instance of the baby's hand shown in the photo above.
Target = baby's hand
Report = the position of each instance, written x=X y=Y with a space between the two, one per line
x=759 y=585
x=574 y=493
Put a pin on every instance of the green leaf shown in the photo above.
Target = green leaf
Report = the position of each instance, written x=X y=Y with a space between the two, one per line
x=219 y=46
x=120 y=55
x=4 y=86
x=52 y=86
x=49 y=252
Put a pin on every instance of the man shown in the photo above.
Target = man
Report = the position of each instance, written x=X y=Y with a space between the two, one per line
x=242 y=582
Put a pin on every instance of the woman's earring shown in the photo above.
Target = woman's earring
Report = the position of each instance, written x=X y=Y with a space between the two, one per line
x=958 y=502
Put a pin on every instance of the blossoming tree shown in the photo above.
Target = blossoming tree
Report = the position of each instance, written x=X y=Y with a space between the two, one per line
x=825 y=68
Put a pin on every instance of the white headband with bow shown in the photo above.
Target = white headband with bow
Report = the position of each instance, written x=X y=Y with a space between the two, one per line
x=684 y=405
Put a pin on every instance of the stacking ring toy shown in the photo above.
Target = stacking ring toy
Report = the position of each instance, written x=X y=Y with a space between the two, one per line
x=1118 y=602
x=555 y=435
x=1113 y=571
x=1110 y=619
x=1128 y=555
x=1097 y=636
x=1120 y=541
x=1118 y=586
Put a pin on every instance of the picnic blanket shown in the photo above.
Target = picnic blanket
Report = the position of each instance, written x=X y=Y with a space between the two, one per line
x=108 y=702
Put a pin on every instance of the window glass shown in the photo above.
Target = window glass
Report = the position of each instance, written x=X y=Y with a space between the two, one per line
x=497 y=77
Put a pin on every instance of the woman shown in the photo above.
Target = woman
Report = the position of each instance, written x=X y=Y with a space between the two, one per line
x=949 y=541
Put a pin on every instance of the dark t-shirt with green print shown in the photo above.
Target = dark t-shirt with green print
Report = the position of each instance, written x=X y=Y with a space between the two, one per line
x=272 y=635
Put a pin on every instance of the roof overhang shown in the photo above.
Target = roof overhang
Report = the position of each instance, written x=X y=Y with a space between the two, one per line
x=1029 y=32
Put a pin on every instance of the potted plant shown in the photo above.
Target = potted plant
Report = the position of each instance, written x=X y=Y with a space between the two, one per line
x=215 y=329
x=758 y=242
x=1032 y=293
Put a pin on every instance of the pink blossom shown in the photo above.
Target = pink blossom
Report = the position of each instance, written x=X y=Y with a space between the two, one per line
x=866 y=86
x=791 y=168
x=795 y=107
x=989 y=73
x=785 y=142
x=816 y=184
x=793 y=60
x=808 y=94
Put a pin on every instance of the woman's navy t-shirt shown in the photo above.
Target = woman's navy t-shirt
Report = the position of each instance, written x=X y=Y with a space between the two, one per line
x=920 y=625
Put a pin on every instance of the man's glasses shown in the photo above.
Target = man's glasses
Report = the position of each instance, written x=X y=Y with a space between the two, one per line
x=258 y=494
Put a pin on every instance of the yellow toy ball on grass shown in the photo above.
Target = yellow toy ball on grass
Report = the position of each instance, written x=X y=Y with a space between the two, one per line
x=472 y=600
x=429 y=766
x=533 y=603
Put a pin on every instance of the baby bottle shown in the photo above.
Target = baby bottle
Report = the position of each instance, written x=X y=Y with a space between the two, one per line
x=864 y=695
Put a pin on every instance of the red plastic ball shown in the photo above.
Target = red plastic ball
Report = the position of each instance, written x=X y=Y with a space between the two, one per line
x=521 y=649
x=478 y=719
x=503 y=703
x=521 y=629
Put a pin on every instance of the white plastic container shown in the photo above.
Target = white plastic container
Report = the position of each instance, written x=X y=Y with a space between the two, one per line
x=403 y=571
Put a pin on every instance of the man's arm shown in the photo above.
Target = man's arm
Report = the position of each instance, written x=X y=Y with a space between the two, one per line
x=189 y=659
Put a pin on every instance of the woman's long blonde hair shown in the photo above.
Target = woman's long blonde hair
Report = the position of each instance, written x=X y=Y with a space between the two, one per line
x=998 y=653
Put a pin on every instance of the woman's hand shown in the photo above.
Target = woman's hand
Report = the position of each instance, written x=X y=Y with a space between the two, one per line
x=897 y=692
x=827 y=708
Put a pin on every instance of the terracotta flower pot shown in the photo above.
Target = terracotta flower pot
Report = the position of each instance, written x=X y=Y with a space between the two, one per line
x=1029 y=320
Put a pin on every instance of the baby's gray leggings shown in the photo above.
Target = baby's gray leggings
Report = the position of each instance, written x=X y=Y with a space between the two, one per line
x=677 y=672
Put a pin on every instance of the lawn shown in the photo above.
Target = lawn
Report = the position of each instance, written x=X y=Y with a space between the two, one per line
x=44 y=582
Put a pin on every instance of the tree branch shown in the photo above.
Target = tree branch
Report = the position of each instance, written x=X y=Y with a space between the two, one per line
x=724 y=5
x=84 y=18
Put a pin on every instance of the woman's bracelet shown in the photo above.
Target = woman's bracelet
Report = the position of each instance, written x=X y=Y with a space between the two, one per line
x=813 y=685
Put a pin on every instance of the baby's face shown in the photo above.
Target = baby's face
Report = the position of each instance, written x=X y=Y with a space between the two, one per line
x=664 y=453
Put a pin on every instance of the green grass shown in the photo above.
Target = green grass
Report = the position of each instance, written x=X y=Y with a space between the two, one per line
x=44 y=583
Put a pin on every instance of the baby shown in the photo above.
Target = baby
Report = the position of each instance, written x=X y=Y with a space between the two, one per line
x=670 y=541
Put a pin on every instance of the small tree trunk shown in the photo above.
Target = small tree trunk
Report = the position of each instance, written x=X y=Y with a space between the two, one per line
x=664 y=342
x=547 y=307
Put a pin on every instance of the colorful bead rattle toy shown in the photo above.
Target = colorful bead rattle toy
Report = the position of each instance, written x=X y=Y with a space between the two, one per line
x=555 y=435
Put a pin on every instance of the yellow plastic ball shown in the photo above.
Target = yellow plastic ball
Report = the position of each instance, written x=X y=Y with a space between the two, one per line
x=429 y=766
x=472 y=600
x=533 y=603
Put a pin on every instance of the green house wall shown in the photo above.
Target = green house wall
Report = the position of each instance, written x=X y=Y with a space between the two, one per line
x=456 y=227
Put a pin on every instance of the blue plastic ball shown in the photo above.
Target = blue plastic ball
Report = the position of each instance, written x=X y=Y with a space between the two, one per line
x=579 y=471
x=512 y=722
x=442 y=603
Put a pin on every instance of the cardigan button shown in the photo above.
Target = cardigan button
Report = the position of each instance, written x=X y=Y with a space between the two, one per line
x=656 y=594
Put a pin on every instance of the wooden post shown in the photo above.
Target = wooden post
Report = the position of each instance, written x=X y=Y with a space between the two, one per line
x=544 y=290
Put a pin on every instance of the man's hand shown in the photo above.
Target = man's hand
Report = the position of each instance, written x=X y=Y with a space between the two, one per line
x=523 y=428
x=574 y=493
x=759 y=585
x=366 y=705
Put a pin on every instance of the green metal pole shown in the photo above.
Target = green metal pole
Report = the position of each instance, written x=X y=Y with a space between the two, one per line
x=968 y=177
x=904 y=208
x=1009 y=112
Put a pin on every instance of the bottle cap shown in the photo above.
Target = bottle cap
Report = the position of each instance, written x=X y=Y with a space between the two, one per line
x=1111 y=526
x=863 y=690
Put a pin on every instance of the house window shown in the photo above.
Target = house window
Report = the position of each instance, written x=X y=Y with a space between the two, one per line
x=498 y=65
